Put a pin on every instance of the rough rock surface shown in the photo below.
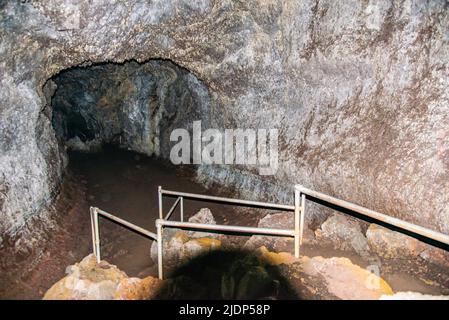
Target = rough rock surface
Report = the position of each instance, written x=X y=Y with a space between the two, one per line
x=198 y=246
x=173 y=240
x=89 y=280
x=335 y=278
x=282 y=220
x=178 y=247
x=343 y=233
x=436 y=255
x=233 y=275
x=276 y=258
x=204 y=215
x=358 y=91
x=392 y=244
x=181 y=244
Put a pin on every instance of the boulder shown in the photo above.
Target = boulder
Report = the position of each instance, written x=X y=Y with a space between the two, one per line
x=89 y=280
x=180 y=245
x=204 y=215
x=198 y=246
x=275 y=258
x=391 y=244
x=173 y=241
x=282 y=220
x=138 y=289
x=343 y=233
x=345 y=280
x=250 y=278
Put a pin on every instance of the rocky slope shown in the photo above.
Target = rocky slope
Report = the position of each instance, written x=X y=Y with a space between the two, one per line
x=197 y=265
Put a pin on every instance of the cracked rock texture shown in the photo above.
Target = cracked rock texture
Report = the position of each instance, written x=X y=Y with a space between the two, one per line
x=357 y=89
x=89 y=280
x=344 y=233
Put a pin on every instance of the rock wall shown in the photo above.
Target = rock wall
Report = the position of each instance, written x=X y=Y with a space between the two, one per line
x=357 y=89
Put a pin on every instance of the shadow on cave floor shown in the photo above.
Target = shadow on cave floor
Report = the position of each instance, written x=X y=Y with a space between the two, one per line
x=227 y=274
x=125 y=184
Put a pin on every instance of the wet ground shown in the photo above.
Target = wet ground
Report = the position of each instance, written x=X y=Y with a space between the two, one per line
x=125 y=184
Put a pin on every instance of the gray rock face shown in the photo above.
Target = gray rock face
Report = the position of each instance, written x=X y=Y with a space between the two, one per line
x=343 y=233
x=281 y=220
x=358 y=91
x=204 y=215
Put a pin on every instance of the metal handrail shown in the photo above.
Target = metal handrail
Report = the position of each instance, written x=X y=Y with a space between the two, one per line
x=227 y=200
x=221 y=227
x=161 y=222
x=391 y=221
x=95 y=212
x=297 y=233
x=172 y=209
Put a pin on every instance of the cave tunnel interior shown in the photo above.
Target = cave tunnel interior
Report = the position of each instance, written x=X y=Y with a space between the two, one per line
x=114 y=122
x=130 y=105
x=97 y=96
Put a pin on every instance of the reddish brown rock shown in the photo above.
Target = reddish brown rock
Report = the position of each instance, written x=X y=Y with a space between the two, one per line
x=392 y=244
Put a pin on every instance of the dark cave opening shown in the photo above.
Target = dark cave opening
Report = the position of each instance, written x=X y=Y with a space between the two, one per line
x=132 y=105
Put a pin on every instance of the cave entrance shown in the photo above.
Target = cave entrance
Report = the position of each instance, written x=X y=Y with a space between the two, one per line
x=132 y=105
x=115 y=121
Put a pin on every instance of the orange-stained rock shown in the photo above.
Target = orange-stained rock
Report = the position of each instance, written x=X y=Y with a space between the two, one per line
x=274 y=258
x=89 y=280
x=138 y=289
x=346 y=280
x=198 y=246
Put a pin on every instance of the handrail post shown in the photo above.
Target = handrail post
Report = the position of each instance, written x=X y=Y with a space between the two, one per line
x=303 y=215
x=92 y=225
x=182 y=209
x=297 y=224
x=159 y=194
x=159 y=250
x=96 y=234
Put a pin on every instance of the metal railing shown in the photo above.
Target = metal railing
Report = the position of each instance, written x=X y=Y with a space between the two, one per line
x=299 y=209
x=163 y=222
x=300 y=198
x=95 y=212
